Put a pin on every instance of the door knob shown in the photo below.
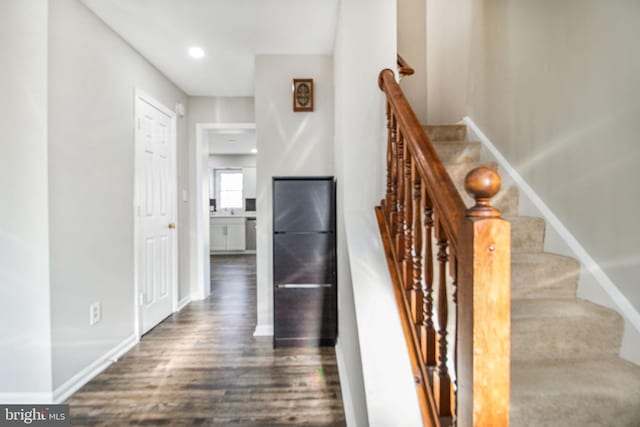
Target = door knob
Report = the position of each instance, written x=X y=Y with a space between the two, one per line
x=172 y=225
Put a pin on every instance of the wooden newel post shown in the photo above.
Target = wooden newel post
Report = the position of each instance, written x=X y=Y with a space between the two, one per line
x=484 y=307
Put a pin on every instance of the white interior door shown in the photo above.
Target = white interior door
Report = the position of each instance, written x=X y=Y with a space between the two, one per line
x=155 y=188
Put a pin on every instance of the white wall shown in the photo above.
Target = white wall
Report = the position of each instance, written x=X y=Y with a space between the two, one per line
x=368 y=319
x=288 y=144
x=232 y=161
x=555 y=86
x=412 y=16
x=92 y=77
x=448 y=56
x=25 y=351
x=220 y=109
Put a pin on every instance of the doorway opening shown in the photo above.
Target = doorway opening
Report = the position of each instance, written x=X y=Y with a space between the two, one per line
x=226 y=192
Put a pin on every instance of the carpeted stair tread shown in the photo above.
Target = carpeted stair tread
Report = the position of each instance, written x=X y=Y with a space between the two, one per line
x=562 y=328
x=446 y=132
x=452 y=152
x=543 y=275
x=564 y=365
x=507 y=198
x=566 y=393
x=527 y=233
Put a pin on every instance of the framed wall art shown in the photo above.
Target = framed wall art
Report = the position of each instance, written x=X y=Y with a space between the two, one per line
x=302 y=94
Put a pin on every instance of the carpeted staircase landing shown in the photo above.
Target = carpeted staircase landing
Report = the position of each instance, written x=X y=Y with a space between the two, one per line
x=565 y=369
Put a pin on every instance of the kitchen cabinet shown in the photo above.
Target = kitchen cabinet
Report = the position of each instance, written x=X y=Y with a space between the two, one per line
x=217 y=236
x=227 y=234
x=235 y=236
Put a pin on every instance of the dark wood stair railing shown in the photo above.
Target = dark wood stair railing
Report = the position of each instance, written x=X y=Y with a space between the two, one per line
x=450 y=269
x=404 y=69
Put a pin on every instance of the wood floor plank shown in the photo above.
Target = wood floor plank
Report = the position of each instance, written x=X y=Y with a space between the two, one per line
x=203 y=366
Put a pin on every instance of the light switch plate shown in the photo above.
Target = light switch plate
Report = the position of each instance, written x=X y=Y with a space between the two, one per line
x=95 y=313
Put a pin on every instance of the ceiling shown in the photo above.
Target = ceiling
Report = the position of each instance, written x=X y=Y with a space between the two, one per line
x=231 y=141
x=231 y=32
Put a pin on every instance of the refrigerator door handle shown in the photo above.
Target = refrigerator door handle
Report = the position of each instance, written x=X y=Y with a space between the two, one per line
x=303 y=232
x=303 y=285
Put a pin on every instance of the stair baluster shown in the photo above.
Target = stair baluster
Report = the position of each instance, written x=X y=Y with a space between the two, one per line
x=417 y=295
x=453 y=269
x=441 y=379
x=401 y=224
x=393 y=203
x=408 y=222
x=428 y=331
x=386 y=203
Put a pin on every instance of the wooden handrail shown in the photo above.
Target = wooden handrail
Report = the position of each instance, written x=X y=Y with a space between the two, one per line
x=404 y=69
x=446 y=262
x=427 y=161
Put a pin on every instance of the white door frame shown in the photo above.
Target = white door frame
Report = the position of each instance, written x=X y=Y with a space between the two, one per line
x=145 y=97
x=201 y=226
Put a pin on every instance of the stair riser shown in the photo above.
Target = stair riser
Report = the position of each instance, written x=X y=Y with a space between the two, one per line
x=446 y=132
x=543 y=281
x=596 y=392
x=527 y=235
x=549 y=289
x=598 y=411
x=508 y=197
x=453 y=152
x=561 y=338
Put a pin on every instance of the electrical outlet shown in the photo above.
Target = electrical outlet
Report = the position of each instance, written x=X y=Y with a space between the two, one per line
x=95 y=313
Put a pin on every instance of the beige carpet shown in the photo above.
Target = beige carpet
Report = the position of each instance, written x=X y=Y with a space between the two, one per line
x=565 y=369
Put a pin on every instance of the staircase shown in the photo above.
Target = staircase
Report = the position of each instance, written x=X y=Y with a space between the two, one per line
x=565 y=369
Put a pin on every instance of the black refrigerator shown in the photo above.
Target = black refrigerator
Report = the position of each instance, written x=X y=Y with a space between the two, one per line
x=304 y=261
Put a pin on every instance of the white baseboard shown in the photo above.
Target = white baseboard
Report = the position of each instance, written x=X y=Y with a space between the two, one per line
x=183 y=303
x=263 y=331
x=198 y=296
x=72 y=385
x=589 y=265
x=26 y=398
x=345 y=387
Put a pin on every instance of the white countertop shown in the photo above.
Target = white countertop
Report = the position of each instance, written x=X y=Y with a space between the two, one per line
x=241 y=214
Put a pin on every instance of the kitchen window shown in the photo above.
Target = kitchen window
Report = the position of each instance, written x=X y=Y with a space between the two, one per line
x=229 y=188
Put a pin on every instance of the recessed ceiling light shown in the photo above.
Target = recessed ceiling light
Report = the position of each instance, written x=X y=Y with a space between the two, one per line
x=196 y=52
x=254 y=150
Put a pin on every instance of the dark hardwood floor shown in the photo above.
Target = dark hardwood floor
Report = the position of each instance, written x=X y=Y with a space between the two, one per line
x=202 y=366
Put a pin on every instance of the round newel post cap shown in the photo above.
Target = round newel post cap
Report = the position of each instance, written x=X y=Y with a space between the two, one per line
x=482 y=184
x=388 y=73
